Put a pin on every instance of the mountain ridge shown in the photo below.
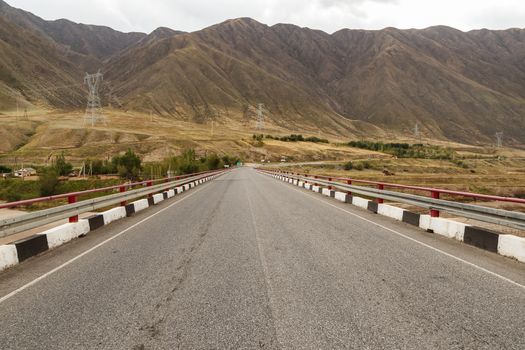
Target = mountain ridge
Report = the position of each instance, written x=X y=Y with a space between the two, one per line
x=456 y=85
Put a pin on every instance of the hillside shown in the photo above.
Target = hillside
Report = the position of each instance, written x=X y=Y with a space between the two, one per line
x=43 y=62
x=456 y=85
x=31 y=68
x=90 y=40
x=461 y=86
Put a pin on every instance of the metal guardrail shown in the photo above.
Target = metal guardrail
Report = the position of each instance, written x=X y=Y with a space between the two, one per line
x=477 y=212
x=73 y=196
x=29 y=221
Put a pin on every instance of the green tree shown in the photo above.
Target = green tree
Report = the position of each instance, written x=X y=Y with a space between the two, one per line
x=4 y=169
x=62 y=167
x=187 y=163
x=48 y=181
x=128 y=165
x=213 y=162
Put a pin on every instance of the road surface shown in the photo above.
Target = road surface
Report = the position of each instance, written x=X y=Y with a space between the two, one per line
x=248 y=262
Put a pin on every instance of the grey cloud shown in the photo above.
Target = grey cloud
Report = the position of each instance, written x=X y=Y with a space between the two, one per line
x=327 y=15
x=353 y=2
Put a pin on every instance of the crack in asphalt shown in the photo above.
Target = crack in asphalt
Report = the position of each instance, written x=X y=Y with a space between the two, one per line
x=153 y=329
x=262 y=260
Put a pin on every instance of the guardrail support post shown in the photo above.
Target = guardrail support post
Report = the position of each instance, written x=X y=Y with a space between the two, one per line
x=380 y=187
x=349 y=182
x=71 y=200
x=330 y=187
x=122 y=189
x=149 y=184
x=433 y=212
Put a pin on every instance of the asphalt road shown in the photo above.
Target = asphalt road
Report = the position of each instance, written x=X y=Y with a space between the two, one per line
x=249 y=262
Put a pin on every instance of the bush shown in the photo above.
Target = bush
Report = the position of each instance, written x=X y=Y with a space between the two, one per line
x=100 y=167
x=188 y=163
x=48 y=181
x=4 y=169
x=315 y=140
x=16 y=189
x=359 y=166
x=295 y=138
x=128 y=165
x=213 y=162
x=405 y=150
x=12 y=195
x=348 y=166
x=62 y=167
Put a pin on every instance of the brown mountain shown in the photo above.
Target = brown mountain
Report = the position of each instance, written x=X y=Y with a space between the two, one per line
x=456 y=85
x=44 y=62
x=31 y=69
x=90 y=40
x=461 y=86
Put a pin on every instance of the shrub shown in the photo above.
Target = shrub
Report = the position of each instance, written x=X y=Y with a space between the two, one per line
x=348 y=166
x=405 y=150
x=128 y=165
x=359 y=166
x=213 y=162
x=295 y=138
x=62 y=167
x=315 y=140
x=4 y=169
x=48 y=181
x=100 y=167
x=17 y=189
x=12 y=195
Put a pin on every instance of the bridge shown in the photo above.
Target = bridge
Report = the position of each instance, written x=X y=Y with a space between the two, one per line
x=243 y=259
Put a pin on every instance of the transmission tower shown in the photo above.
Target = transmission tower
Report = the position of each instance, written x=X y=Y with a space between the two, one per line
x=94 y=107
x=260 y=117
x=112 y=97
x=499 y=139
x=416 y=131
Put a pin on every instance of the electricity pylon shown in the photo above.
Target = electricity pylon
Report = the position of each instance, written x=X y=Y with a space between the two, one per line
x=499 y=139
x=94 y=106
x=260 y=117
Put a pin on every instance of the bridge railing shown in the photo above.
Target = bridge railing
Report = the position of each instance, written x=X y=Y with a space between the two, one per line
x=433 y=202
x=126 y=192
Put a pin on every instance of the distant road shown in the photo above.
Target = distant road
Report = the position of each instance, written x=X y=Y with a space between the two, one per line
x=249 y=262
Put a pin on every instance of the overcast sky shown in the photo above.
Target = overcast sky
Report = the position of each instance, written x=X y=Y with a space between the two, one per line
x=327 y=15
